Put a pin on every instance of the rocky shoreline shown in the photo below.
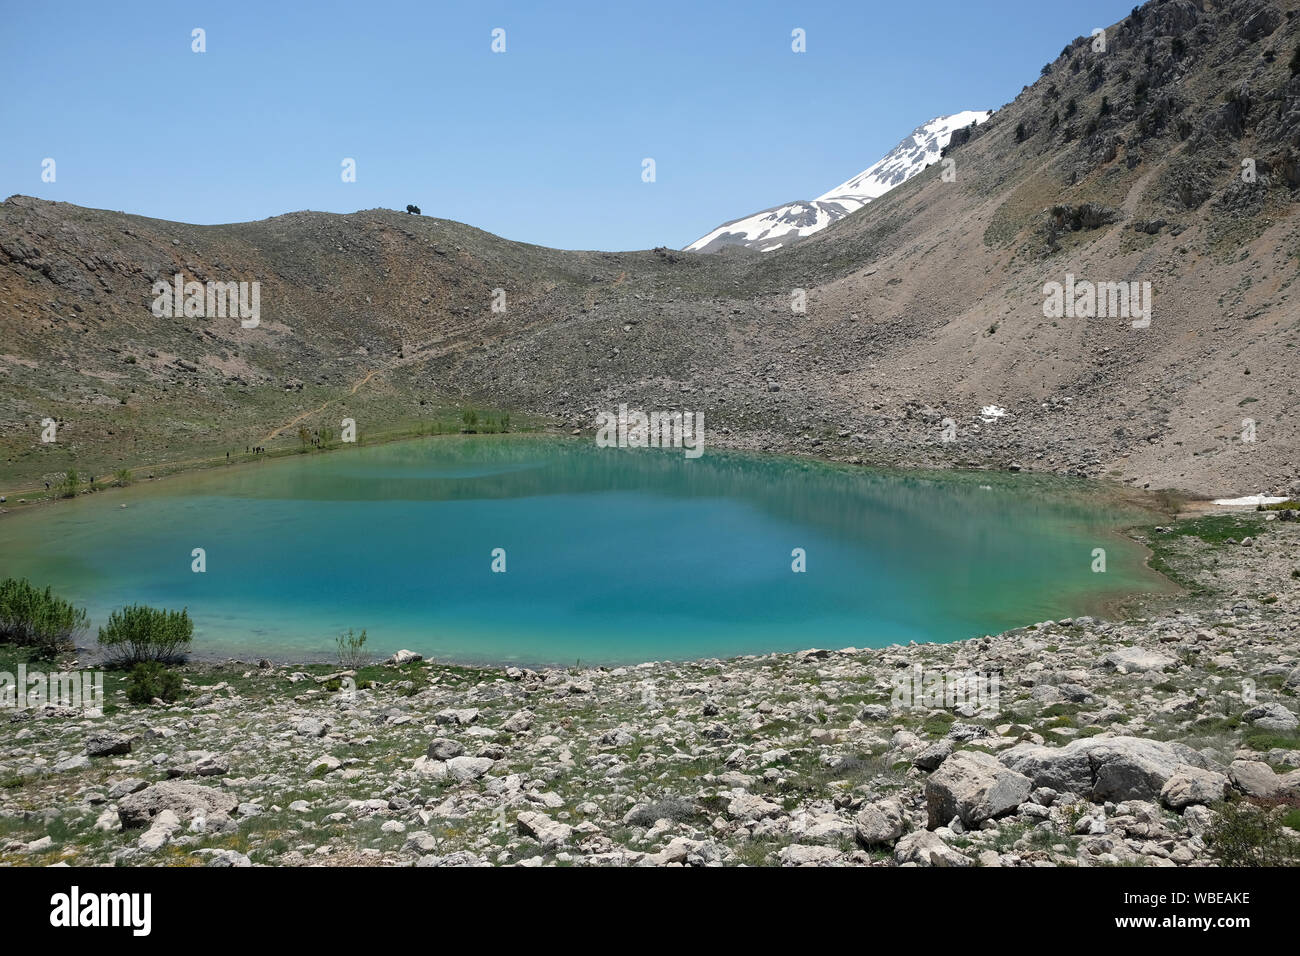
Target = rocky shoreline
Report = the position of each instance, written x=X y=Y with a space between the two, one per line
x=1074 y=742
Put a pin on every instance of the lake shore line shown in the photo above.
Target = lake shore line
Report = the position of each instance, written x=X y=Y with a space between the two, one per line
x=1099 y=510
x=1103 y=743
x=918 y=459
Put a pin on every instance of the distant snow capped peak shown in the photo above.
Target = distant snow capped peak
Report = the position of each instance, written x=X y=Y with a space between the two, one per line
x=772 y=228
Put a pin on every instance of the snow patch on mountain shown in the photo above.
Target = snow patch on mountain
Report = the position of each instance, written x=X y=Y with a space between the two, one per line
x=772 y=228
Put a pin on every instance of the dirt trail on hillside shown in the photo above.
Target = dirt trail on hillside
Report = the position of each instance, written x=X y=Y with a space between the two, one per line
x=320 y=408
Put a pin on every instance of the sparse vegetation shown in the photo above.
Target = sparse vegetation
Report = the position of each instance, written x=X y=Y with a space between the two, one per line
x=150 y=680
x=70 y=485
x=139 y=633
x=39 y=619
x=1249 y=835
x=352 y=649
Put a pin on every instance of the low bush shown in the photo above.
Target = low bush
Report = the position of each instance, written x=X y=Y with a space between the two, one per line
x=70 y=485
x=352 y=649
x=37 y=618
x=1248 y=835
x=139 y=633
x=150 y=680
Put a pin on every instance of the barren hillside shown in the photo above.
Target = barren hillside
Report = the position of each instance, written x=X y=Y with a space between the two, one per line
x=1116 y=165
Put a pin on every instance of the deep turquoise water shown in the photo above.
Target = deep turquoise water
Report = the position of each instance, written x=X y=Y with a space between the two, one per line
x=612 y=555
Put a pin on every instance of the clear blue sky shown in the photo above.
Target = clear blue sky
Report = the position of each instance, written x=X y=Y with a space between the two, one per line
x=543 y=143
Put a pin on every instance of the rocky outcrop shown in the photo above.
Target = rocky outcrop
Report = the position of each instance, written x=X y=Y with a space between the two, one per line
x=183 y=800
x=973 y=787
x=1103 y=767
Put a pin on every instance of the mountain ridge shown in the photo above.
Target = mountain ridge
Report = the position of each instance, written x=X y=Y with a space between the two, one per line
x=769 y=229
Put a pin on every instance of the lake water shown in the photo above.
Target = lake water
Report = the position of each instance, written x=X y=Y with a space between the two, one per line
x=612 y=555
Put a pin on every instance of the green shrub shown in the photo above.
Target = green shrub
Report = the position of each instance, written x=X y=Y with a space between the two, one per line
x=352 y=653
x=122 y=477
x=1247 y=835
x=139 y=633
x=149 y=680
x=38 y=618
x=70 y=485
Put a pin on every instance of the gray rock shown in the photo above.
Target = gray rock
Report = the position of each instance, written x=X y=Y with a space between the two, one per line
x=747 y=807
x=225 y=858
x=798 y=854
x=325 y=763
x=1198 y=819
x=181 y=798
x=880 y=823
x=444 y=748
x=160 y=831
x=1254 y=778
x=549 y=833
x=310 y=727
x=821 y=827
x=468 y=768
x=933 y=755
x=420 y=842
x=107 y=744
x=1272 y=717
x=1134 y=660
x=213 y=765
x=1103 y=767
x=520 y=722
x=923 y=848
x=1191 y=785
x=122 y=787
x=974 y=787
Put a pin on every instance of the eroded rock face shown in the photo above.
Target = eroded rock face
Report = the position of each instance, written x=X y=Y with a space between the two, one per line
x=181 y=798
x=973 y=787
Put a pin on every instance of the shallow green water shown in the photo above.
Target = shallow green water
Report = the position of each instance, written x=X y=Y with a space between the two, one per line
x=612 y=555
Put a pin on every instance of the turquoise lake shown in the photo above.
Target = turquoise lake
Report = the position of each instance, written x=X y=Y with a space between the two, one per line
x=612 y=555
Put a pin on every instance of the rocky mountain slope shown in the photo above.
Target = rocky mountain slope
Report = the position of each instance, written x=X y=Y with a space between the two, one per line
x=779 y=226
x=1172 y=157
